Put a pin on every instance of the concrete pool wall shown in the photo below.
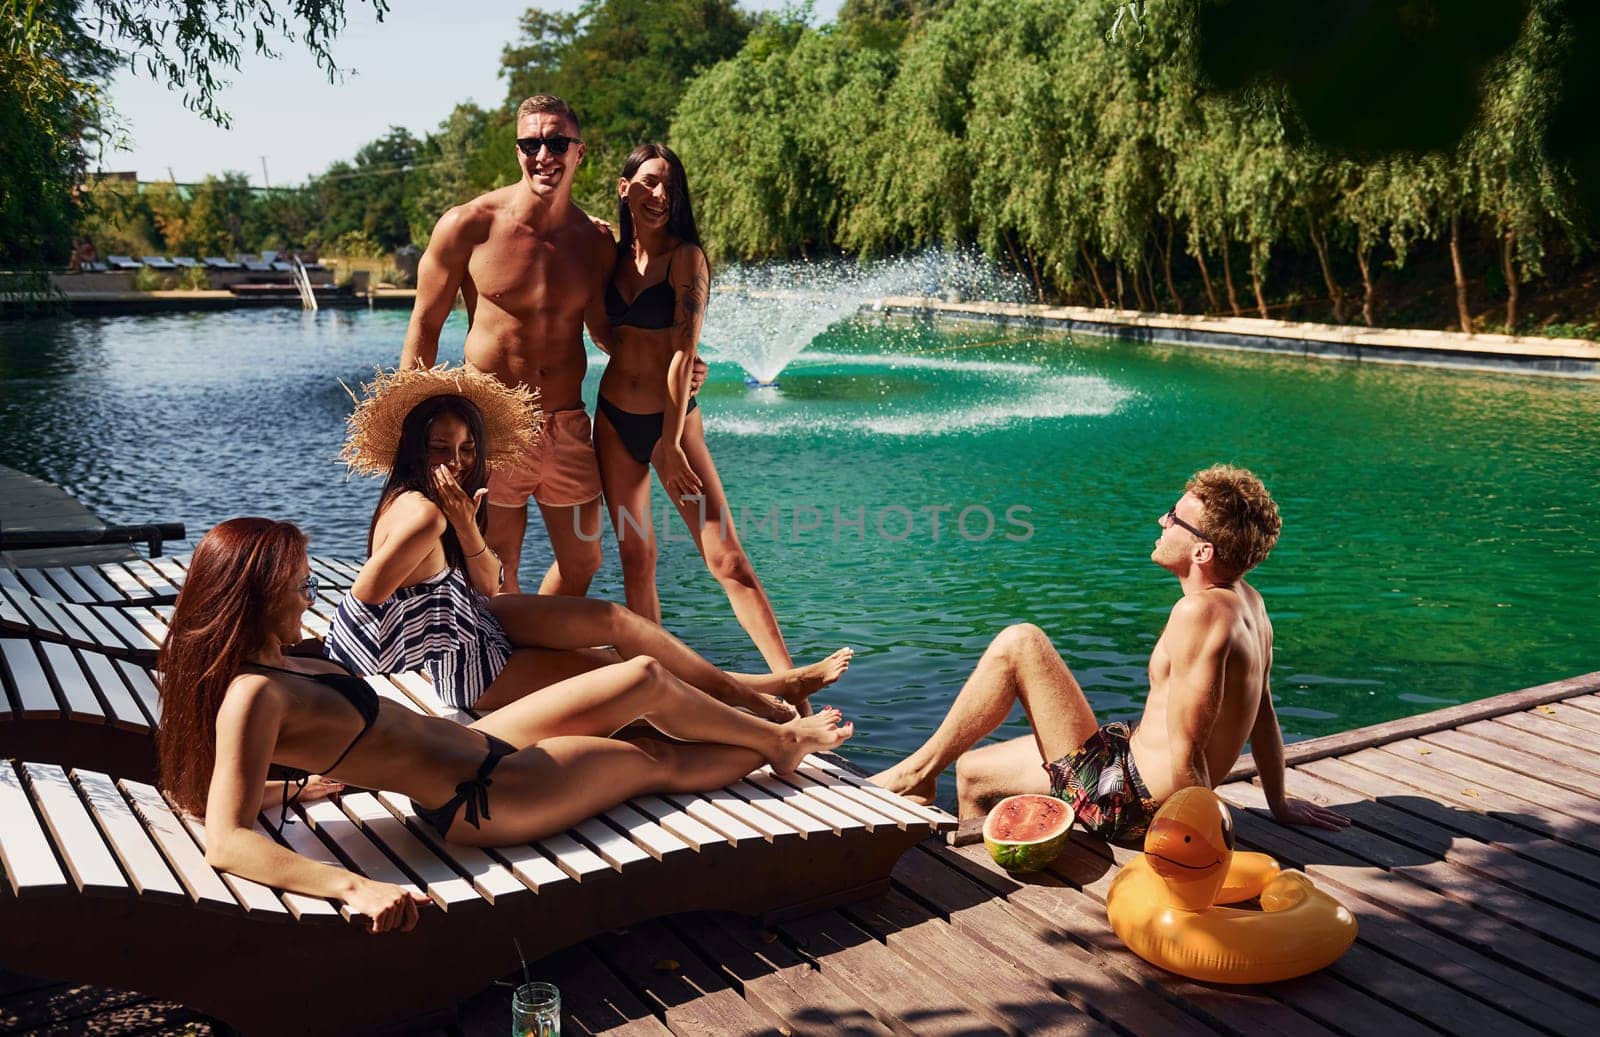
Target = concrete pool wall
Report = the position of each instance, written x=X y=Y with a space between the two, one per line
x=1558 y=357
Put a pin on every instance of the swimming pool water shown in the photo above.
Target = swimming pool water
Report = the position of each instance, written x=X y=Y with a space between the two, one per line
x=1439 y=526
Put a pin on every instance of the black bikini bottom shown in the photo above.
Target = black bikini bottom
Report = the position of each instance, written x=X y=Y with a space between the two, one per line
x=472 y=793
x=640 y=432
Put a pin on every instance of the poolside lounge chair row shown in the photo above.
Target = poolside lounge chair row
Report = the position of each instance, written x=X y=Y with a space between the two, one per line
x=138 y=581
x=87 y=849
x=267 y=261
x=128 y=632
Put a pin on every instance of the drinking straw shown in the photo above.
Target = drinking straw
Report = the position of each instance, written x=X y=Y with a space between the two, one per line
x=521 y=957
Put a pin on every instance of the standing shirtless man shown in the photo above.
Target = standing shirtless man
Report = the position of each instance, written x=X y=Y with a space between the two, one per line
x=1209 y=689
x=532 y=268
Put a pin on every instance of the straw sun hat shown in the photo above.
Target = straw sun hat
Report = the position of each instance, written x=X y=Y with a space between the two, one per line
x=511 y=417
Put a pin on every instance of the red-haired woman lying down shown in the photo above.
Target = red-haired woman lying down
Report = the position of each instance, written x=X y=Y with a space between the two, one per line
x=236 y=711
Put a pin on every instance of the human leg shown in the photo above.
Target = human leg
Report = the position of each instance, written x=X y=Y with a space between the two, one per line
x=1020 y=665
x=989 y=773
x=710 y=522
x=627 y=495
x=548 y=788
x=531 y=669
x=506 y=528
x=575 y=540
x=607 y=699
x=568 y=494
x=563 y=623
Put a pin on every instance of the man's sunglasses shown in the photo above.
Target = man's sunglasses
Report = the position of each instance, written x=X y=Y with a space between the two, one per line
x=558 y=145
x=1174 y=520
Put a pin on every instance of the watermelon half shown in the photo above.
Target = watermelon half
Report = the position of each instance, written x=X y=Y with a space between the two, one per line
x=1025 y=833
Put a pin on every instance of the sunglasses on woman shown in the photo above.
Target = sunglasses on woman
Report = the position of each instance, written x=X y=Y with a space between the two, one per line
x=308 y=589
x=558 y=145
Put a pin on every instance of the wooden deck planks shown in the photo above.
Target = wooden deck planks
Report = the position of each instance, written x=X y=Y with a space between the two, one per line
x=774 y=976
x=905 y=999
x=677 y=984
x=1018 y=999
x=1473 y=866
x=1461 y=947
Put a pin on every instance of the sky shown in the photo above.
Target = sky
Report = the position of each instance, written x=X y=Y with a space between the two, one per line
x=410 y=70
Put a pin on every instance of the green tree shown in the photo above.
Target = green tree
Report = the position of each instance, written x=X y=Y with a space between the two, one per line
x=192 y=45
x=51 y=108
x=757 y=161
x=169 y=208
x=217 y=210
x=470 y=153
x=117 y=218
x=1515 y=188
x=368 y=196
x=55 y=58
x=623 y=64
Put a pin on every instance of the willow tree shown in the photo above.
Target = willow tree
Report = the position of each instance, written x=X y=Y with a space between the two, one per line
x=1264 y=176
x=1029 y=177
x=1508 y=178
x=918 y=188
x=760 y=189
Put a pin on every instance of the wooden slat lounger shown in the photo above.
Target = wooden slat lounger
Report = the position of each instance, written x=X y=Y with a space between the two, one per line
x=60 y=704
x=80 y=707
x=104 y=882
x=127 y=632
x=138 y=581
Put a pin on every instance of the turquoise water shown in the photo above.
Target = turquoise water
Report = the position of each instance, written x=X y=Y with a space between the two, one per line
x=1439 y=527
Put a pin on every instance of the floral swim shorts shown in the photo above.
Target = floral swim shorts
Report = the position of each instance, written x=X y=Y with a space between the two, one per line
x=1101 y=782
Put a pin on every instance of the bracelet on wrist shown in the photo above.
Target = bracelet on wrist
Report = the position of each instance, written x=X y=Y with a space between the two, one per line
x=478 y=552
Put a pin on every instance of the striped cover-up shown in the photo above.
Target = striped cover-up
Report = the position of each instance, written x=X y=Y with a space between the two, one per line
x=441 y=623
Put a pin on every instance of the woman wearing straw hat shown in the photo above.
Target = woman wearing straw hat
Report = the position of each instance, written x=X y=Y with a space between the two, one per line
x=422 y=598
x=234 y=706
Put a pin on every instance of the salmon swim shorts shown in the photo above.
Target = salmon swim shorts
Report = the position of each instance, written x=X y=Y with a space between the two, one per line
x=560 y=471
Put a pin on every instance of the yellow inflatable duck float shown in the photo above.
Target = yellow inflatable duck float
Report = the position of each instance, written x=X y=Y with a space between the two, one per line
x=1163 y=904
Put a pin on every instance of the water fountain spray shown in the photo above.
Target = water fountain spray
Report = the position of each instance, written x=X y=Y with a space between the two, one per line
x=763 y=316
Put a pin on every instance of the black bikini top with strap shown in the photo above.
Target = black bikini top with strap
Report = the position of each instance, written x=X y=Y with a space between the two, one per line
x=353 y=690
x=654 y=308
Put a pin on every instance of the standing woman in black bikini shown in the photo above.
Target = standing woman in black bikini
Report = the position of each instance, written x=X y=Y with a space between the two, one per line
x=646 y=415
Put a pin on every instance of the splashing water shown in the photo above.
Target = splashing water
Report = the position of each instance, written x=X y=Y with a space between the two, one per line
x=763 y=316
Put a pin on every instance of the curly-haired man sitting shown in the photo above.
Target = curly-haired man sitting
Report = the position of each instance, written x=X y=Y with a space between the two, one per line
x=1209 y=689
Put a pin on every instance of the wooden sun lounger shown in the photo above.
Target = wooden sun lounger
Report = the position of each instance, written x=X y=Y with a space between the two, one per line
x=131 y=632
x=139 y=581
x=78 y=707
x=65 y=705
x=105 y=883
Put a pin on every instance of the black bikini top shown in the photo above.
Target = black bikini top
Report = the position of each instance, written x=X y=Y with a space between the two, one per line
x=654 y=308
x=353 y=690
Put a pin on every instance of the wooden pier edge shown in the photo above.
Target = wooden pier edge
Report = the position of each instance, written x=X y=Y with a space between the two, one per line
x=971 y=829
x=1424 y=723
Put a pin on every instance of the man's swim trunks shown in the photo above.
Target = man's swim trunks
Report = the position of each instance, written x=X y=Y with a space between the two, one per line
x=1101 y=782
x=560 y=470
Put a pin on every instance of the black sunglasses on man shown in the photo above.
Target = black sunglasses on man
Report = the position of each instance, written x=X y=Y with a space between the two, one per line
x=1173 y=519
x=558 y=145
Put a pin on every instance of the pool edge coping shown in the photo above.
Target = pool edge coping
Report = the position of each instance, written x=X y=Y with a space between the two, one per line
x=1385 y=732
x=1500 y=354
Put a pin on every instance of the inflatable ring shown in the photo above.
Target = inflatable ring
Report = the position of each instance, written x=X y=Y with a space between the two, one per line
x=1163 y=903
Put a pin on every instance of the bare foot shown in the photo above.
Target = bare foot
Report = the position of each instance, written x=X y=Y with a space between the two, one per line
x=902 y=780
x=802 y=682
x=768 y=707
x=805 y=735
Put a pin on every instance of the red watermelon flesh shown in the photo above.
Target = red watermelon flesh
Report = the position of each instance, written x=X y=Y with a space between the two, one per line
x=1025 y=833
